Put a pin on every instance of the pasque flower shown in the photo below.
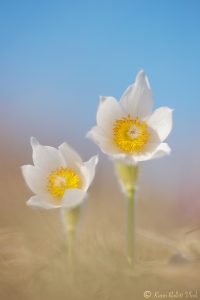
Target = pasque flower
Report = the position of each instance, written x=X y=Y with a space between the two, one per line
x=128 y=130
x=59 y=177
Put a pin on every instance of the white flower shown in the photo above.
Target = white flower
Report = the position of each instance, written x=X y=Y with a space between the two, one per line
x=59 y=178
x=128 y=130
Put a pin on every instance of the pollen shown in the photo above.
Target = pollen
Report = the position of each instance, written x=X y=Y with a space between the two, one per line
x=62 y=179
x=130 y=135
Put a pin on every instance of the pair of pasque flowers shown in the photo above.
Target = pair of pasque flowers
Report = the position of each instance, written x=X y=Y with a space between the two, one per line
x=127 y=130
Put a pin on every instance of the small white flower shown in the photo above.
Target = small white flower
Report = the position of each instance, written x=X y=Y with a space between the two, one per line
x=128 y=130
x=59 y=178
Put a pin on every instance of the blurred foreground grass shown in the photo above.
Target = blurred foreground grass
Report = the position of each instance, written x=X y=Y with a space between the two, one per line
x=33 y=261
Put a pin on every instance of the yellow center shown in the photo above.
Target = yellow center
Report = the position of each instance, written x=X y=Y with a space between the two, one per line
x=130 y=135
x=62 y=179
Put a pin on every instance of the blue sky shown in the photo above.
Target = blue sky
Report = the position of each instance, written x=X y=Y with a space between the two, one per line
x=57 y=57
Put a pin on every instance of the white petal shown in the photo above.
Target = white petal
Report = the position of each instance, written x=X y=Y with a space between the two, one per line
x=96 y=134
x=144 y=157
x=43 y=201
x=137 y=99
x=35 y=178
x=70 y=156
x=88 y=170
x=106 y=144
x=162 y=150
x=152 y=151
x=126 y=159
x=161 y=122
x=73 y=197
x=45 y=157
x=108 y=112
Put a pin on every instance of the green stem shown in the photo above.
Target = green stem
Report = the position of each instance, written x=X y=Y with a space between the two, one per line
x=71 y=218
x=130 y=227
x=127 y=175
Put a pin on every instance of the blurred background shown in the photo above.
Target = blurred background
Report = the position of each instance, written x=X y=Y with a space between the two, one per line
x=56 y=58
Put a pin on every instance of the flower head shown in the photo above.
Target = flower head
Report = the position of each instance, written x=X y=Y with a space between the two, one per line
x=128 y=130
x=58 y=177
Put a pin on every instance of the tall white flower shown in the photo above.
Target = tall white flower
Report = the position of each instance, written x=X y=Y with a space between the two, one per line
x=59 y=177
x=128 y=130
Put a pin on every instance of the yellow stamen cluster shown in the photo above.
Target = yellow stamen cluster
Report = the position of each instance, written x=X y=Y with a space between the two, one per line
x=62 y=179
x=130 y=135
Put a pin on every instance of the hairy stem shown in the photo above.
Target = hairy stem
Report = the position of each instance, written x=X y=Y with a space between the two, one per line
x=130 y=226
x=70 y=220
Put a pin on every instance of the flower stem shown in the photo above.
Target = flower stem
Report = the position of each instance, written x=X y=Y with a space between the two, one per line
x=130 y=227
x=127 y=175
x=71 y=218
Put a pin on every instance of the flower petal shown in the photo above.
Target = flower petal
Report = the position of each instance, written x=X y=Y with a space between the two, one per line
x=73 y=197
x=153 y=151
x=43 y=201
x=35 y=178
x=161 y=122
x=108 y=112
x=88 y=170
x=137 y=99
x=46 y=157
x=106 y=144
x=69 y=154
x=126 y=159
x=162 y=150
